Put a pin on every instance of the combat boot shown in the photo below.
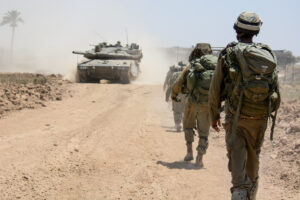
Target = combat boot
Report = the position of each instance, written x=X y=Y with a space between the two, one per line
x=202 y=147
x=199 y=162
x=253 y=190
x=189 y=154
x=178 y=127
x=239 y=194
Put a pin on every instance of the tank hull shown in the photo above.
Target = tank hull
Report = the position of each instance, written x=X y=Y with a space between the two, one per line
x=123 y=71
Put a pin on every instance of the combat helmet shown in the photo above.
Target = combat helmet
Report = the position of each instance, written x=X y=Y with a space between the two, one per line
x=180 y=63
x=248 y=22
x=178 y=68
x=200 y=50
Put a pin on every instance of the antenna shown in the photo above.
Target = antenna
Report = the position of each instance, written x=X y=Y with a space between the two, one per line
x=126 y=32
x=104 y=40
x=177 y=54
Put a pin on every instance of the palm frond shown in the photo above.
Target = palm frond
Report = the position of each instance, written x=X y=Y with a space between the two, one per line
x=5 y=20
x=20 y=20
x=12 y=18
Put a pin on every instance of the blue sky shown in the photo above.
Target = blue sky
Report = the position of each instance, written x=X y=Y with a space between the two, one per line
x=58 y=26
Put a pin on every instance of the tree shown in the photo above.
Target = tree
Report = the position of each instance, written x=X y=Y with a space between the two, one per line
x=12 y=18
x=285 y=57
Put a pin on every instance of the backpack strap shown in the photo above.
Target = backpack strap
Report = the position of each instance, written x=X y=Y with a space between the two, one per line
x=273 y=124
x=273 y=117
x=238 y=110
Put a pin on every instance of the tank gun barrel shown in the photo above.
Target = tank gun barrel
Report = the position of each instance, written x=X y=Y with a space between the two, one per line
x=79 y=52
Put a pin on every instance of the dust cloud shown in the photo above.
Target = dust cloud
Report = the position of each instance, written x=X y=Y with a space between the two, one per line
x=44 y=42
x=154 y=64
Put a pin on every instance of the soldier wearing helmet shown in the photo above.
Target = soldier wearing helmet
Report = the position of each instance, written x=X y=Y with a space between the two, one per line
x=177 y=106
x=173 y=69
x=249 y=87
x=168 y=76
x=196 y=107
x=200 y=50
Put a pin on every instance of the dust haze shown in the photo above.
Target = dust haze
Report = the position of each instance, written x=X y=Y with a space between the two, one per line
x=154 y=64
x=44 y=42
x=61 y=140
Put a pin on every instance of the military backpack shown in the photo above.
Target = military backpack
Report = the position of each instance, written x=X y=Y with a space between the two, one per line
x=252 y=82
x=173 y=78
x=199 y=77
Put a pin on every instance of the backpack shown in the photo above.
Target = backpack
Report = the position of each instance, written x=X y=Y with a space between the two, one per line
x=173 y=78
x=170 y=83
x=199 y=77
x=254 y=85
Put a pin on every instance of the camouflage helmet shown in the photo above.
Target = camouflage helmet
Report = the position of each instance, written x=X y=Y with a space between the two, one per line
x=180 y=63
x=248 y=22
x=200 y=50
x=177 y=68
x=172 y=68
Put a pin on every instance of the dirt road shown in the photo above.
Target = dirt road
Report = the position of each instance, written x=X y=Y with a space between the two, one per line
x=109 y=142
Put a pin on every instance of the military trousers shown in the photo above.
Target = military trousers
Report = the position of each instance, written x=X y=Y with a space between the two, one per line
x=196 y=115
x=243 y=151
x=178 y=109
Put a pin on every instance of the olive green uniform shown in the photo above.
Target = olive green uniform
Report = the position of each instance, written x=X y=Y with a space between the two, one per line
x=243 y=147
x=168 y=76
x=195 y=115
x=177 y=106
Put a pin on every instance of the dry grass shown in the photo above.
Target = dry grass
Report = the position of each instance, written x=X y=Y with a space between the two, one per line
x=290 y=91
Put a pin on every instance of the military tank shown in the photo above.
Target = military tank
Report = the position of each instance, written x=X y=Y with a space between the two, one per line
x=110 y=62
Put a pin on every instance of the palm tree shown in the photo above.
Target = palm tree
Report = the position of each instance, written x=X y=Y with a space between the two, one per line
x=12 y=18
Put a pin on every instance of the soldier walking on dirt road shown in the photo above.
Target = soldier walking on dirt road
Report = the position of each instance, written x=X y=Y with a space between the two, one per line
x=177 y=106
x=196 y=78
x=246 y=79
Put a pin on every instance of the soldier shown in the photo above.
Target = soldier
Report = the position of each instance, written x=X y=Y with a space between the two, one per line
x=178 y=105
x=172 y=69
x=118 y=44
x=197 y=78
x=246 y=78
x=168 y=76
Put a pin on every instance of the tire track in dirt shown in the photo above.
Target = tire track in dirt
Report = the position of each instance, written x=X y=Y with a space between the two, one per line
x=109 y=142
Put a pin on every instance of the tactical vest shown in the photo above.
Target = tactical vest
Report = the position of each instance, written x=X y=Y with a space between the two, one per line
x=173 y=78
x=200 y=76
x=251 y=80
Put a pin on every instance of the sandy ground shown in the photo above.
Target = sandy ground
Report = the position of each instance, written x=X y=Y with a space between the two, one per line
x=111 y=142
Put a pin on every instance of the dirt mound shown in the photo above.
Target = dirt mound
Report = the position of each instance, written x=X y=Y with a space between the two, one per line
x=25 y=90
x=284 y=152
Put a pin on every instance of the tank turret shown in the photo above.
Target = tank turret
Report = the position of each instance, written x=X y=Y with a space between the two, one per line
x=111 y=62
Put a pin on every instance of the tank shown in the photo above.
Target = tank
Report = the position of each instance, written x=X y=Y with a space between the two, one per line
x=110 y=62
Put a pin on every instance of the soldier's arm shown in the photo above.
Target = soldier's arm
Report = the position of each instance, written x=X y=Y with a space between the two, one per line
x=177 y=86
x=168 y=93
x=166 y=80
x=214 y=100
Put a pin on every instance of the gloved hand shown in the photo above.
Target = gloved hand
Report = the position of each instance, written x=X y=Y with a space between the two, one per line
x=174 y=98
x=216 y=125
